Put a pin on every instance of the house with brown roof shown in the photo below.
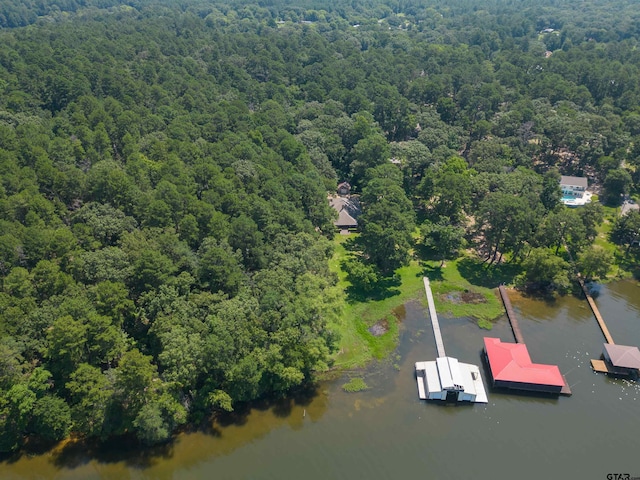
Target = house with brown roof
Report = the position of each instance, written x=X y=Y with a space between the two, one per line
x=348 y=209
x=344 y=188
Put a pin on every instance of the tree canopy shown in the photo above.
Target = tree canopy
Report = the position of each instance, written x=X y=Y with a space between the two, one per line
x=165 y=231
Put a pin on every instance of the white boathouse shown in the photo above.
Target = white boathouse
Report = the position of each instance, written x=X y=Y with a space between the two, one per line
x=450 y=380
x=446 y=378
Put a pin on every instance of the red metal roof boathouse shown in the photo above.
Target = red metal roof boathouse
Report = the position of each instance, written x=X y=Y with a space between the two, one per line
x=511 y=367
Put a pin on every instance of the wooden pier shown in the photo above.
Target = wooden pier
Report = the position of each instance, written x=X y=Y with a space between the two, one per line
x=596 y=312
x=600 y=366
x=513 y=320
x=434 y=319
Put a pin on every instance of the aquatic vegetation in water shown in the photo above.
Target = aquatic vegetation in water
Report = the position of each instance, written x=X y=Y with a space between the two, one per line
x=354 y=385
x=486 y=324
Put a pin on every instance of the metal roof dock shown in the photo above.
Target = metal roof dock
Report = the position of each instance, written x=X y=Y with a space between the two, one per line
x=510 y=365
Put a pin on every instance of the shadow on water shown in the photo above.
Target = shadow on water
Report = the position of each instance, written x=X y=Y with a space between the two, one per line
x=221 y=435
x=552 y=298
x=449 y=405
x=549 y=298
x=524 y=395
x=118 y=450
x=74 y=453
x=594 y=289
x=280 y=407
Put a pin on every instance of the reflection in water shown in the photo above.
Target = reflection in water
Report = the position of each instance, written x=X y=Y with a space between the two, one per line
x=386 y=432
x=222 y=436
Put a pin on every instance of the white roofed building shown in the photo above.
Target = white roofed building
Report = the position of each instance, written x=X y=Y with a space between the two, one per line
x=449 y=380
x=574 y=191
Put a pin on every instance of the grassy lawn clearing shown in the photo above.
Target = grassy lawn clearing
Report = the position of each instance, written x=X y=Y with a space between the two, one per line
x=369 y=329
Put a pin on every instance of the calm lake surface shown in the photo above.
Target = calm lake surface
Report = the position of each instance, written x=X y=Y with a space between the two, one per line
x=386 y=432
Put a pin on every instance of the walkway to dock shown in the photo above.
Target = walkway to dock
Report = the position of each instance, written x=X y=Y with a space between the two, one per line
x=596 y=312
x=434 y=319
x=511 y=315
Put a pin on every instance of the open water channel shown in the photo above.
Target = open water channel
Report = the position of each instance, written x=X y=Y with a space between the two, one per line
x=387 y=433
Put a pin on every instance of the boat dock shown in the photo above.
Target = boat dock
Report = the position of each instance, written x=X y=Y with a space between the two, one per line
x=513 y=320
x=530 y=376
x=600 y=366
x=446 y=378
x=596 y=312
x=617 y=360
x=434 y=319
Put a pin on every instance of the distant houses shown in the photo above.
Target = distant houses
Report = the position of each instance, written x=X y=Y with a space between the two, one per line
x=344 y=189
x=574 y=191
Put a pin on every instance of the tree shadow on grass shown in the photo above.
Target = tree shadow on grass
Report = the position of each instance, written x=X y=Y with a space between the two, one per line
x=433 y=273
x=477 y=273
x=385 y=287
x=430 y=254
x=353 y=244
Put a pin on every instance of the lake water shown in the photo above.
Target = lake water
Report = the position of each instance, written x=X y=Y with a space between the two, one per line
x=386 y=432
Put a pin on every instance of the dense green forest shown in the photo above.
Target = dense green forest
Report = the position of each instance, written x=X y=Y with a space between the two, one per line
x=164 y=169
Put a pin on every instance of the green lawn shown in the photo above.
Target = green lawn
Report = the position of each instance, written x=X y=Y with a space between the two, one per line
x=357 y=345
x=462 y=278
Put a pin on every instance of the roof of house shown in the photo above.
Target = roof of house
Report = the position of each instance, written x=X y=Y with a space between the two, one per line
x=348 y=210
x=446 y=373
x=574 y=181
x=449 y=371
x=623 y=356
x=345 y=220
x=510 y=362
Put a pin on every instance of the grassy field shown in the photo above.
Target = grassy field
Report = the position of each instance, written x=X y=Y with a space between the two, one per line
x=463 y=287
x=358 y=346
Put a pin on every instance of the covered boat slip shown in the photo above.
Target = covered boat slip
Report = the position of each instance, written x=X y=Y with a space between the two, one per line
x=511 y=367
x=447 y=379
x=618 y=360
